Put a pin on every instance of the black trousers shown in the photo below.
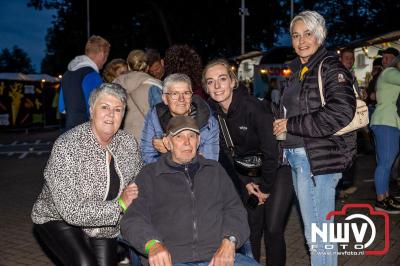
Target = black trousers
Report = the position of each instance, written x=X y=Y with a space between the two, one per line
x=72 y=246
x=270 y=219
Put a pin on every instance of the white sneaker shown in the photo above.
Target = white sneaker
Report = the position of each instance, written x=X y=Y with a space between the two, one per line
x=124 y=261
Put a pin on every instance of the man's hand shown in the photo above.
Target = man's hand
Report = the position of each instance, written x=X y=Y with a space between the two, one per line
x=159 y=146
x=159 y=255
x=225 y=255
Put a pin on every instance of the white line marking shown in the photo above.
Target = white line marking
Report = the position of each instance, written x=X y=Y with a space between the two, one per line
x=23 y=155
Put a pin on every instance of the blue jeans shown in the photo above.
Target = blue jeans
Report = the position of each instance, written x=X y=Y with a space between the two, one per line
x=386 y=147
x=133 y=255
x=240 y=260
x=316 y=200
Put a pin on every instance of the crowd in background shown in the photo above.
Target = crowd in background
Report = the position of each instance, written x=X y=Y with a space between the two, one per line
x=90 y=176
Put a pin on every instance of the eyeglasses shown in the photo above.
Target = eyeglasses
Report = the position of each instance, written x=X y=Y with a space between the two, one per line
x=175 y=95
x=306 y=35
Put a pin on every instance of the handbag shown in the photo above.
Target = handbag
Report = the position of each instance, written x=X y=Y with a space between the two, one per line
x=249 y=165
x=360 y=119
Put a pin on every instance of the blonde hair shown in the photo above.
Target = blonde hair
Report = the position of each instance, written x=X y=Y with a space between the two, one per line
x=110 y=70
x=137 y=60
x=97 y=44
x=222 y=62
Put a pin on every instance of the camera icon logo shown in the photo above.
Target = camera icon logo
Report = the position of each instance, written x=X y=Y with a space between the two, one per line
x=358 y=226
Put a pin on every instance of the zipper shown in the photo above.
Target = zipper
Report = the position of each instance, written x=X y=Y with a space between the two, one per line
x=195 y=233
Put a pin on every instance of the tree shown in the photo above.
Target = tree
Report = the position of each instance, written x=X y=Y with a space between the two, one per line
x=211 y=27
x=16 y=60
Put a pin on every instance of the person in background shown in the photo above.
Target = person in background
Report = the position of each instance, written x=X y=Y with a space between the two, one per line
x=317 y=156
x=371 y=88
x=347 y=58
x=388 y=55
x=275 y=91
x=143 y=90
x=385 y=124
x=156 y=63
x=184 y=59
x=178 y=99
x=345 y=185
x=81 y=78
x=188 y=212
x=250 y=128
x=114 y=69
x=88 y=184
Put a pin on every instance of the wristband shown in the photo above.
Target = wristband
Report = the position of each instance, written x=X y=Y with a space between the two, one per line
x=122 y=204
x=149 y=244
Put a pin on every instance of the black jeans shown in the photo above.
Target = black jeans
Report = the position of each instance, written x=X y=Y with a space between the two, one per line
x=72 y=246
x=271 y=218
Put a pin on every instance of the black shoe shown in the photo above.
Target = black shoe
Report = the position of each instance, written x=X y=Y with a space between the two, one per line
x=392 y=201
x=385 y=206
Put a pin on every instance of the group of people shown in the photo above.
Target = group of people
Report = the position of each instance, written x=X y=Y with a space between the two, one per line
x=168 y=184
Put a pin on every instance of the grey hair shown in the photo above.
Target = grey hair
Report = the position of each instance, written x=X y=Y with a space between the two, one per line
x=314 y=23
x=113 y=89
x=175 y=78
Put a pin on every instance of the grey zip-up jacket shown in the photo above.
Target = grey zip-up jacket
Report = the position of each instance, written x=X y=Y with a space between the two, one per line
x=190 y=208
x=76 y=181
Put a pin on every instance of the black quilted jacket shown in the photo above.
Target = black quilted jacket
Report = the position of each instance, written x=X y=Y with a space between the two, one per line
x=316 y=124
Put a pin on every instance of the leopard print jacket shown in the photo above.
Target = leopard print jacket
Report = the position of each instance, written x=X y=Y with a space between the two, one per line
x=76 y=181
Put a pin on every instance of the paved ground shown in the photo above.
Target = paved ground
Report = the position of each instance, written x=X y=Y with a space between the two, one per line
x=23 y=158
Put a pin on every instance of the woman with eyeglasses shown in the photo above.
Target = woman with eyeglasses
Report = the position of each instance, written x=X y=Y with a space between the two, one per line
x=178 y=99
x=317 y=156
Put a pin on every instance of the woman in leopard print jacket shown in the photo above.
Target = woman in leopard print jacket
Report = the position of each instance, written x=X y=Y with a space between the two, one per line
x=86 y=184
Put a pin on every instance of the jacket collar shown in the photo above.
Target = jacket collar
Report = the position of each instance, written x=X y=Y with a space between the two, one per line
x=87 y=129
x=199 y=110
x=299 y=69
x=165 y=165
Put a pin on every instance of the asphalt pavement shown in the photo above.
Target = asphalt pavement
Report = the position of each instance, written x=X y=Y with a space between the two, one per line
x=23 y=156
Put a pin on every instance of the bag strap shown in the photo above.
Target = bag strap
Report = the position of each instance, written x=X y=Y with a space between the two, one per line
x=321 y=88
x=225 y=133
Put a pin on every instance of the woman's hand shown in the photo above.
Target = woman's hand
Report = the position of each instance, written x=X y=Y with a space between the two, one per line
x=129 y=194
x=255 y=190
x=280 y=126
x=159 y=146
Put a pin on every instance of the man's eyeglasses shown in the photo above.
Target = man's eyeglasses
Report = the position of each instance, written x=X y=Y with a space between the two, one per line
x=175 y=95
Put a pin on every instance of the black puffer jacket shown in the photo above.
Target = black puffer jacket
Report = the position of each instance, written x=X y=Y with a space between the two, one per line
x=316 y=124
x=250 y=127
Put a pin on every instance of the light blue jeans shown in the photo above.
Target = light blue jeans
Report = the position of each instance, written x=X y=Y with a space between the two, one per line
x=240 y=260
x=316 y=196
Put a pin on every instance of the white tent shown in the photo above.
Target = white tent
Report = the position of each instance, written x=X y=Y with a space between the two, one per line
x=28 y=77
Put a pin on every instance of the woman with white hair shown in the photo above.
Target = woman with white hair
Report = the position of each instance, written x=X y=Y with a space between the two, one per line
x=88 y=184
x=317 y=156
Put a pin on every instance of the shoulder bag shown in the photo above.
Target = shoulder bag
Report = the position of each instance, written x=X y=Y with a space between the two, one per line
x=360 y=118
x=249 y=165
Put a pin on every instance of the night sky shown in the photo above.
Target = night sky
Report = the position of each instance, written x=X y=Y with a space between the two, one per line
x=25 y=27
